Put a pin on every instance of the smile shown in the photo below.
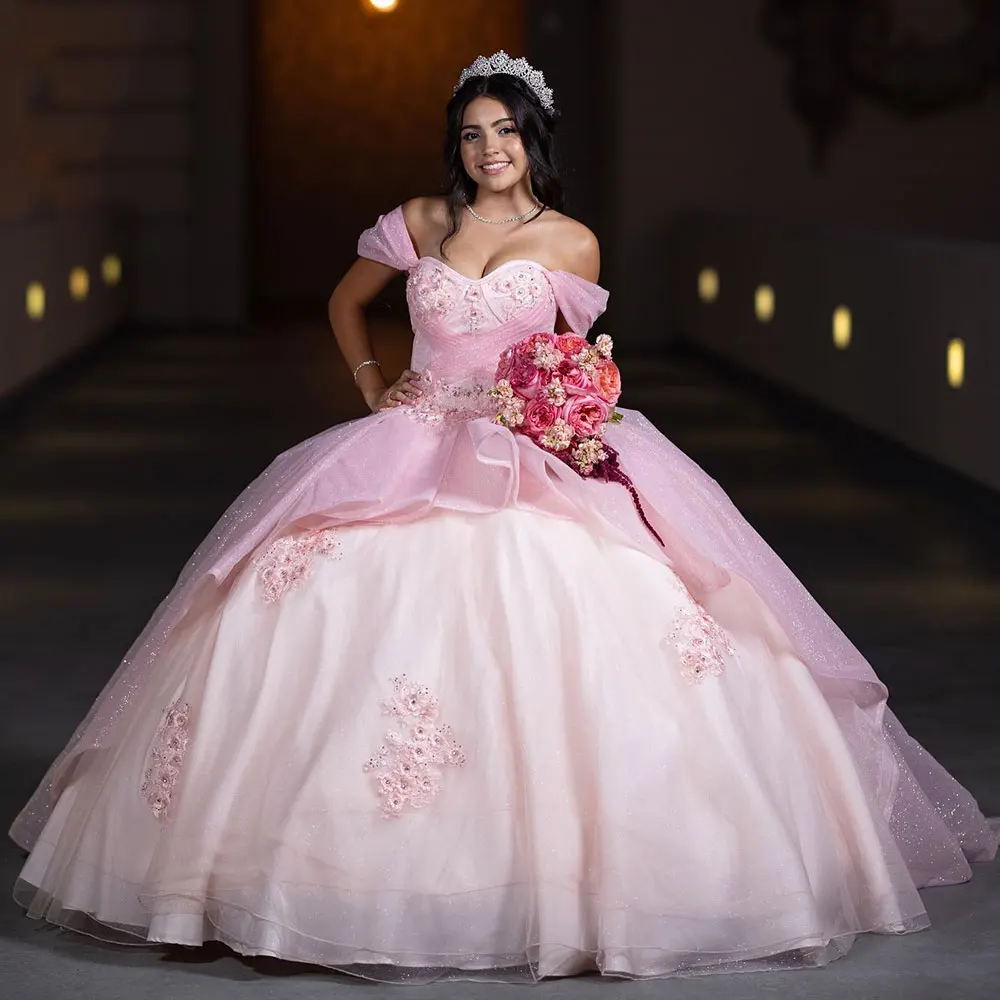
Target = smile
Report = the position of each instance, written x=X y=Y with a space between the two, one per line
x=495 y=167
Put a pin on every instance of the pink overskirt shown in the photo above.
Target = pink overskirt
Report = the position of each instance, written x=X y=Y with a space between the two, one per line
x=426 y=702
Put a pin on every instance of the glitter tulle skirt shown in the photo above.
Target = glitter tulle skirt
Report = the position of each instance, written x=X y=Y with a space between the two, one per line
x=492 y=743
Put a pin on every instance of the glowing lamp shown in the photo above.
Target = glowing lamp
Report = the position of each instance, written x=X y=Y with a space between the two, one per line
x=383 y=6
x=842 y=327
x=111 y=269
x=34 y=300
x=763 y=303
x=956 y=363
x=708 y=284
x=79 y=283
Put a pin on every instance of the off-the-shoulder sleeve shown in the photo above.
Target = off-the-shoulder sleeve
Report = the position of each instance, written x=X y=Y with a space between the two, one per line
x=388 y=242
x=580 y=301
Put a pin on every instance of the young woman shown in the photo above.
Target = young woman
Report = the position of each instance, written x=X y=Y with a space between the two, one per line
x=428 y=702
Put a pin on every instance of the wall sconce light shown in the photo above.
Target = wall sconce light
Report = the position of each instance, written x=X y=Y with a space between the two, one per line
x=956 y=363
x=111 y=269
x=708 y=284
x=79 y=283
x=383 y=6
x=842 y=327
x=34 y=300
x=763 y=303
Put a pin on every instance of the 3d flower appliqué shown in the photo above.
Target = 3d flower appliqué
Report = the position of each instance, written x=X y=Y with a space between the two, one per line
x=288 y=561
x=166 y=757
x=407 y=766
x=701 y=643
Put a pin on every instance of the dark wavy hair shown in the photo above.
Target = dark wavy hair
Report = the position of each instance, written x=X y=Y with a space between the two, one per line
x=534 y=124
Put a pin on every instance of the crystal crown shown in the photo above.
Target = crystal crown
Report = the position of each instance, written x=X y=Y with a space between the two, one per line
x=500 y=62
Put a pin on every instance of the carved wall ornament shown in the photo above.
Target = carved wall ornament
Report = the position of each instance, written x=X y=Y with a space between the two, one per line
x=844 y=49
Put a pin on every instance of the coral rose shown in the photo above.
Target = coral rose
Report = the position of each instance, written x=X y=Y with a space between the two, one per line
x=570 y=343
x=586 y=415
x=539 y=416
x=608 y=381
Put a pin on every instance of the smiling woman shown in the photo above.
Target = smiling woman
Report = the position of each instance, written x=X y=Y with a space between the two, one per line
x=434 y=701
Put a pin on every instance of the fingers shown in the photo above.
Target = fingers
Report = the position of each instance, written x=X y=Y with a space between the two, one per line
x=406 y=386
x=404 y=390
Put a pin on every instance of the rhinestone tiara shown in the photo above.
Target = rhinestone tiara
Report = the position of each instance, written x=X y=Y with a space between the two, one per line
x=500 y=62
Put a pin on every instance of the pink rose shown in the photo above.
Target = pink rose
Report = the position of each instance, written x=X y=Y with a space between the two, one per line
x=539 y=416
x=608 y=381
x=570 y=343
x=504 y=365
x=529 y=343
x=573 y=377
x=585 y=414
x=523 y=375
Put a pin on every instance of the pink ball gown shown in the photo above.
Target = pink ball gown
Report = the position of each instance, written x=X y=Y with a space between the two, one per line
x=428 y=703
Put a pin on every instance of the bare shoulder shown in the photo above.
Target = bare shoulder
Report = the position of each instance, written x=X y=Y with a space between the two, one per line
x=427 y=219
x=578 y=249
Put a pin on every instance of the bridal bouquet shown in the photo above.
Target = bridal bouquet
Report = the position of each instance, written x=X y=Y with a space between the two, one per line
x=560 y=390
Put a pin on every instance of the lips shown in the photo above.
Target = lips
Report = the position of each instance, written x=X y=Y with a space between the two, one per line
x=495 y=166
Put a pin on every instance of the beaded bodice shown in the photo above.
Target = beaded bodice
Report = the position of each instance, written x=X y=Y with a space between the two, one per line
x=462 y=324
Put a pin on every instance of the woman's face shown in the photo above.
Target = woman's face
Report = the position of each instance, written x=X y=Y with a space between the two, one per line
x=491 y=147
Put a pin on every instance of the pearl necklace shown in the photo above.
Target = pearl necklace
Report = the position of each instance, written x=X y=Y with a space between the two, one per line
x=503 y=222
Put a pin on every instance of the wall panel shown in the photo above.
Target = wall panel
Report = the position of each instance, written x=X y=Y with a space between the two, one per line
x=350 y=120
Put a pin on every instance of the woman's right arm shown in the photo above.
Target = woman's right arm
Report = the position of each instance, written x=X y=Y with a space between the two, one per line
x=362 y=282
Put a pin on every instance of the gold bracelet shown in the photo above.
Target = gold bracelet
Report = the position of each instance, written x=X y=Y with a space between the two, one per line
x=370 y=361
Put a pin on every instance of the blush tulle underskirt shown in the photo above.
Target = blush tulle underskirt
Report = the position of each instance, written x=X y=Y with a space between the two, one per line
x=597 y=797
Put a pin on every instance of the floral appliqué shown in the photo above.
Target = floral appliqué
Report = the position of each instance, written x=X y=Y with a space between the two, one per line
x=288 y=561
x=450 y=403
x=407 y=766
x=431 y=292
x=166 y=757
x=701 y=642
x=520 y=288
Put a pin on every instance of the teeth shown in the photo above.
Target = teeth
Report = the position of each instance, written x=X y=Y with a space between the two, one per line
x=494 y=168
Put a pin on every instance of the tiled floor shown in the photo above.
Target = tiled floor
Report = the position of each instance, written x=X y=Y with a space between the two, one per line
x=113 y=470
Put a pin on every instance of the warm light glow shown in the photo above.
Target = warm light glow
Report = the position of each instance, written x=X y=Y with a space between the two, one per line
x=842 y=327
x=708 y=284
x=34 y=300
x=956 y=363
x=383 y=6
x=111 y=269
x=763 y=303
x=79 y=283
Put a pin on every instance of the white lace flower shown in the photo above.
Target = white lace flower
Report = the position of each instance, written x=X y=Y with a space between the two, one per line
x=558 y=437
x=547 y=357
x=554 y=392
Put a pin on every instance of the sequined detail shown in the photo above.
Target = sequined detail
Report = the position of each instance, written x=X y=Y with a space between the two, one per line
x=476 y=313
x=701 y=642
x=445 y=404
x=406 y=766
x=431 y=293
x=288 y=561
x=166 y=757
x=518 y=289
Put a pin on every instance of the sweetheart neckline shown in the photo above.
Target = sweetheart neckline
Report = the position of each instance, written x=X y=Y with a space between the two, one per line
x=513 y=260
x=489 y=274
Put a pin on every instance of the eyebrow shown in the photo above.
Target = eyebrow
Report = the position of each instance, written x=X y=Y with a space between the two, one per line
x=499 y=121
